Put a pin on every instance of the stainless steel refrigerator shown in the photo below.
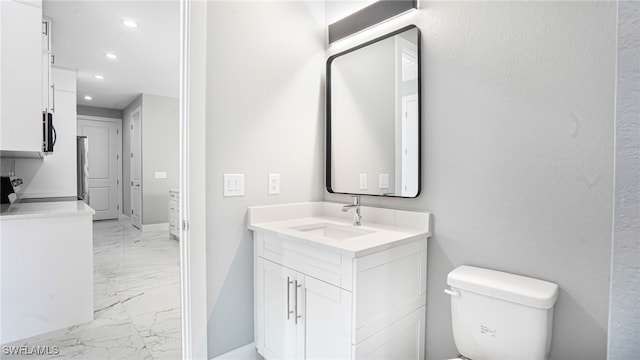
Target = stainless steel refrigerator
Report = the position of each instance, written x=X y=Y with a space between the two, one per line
x=83 y=168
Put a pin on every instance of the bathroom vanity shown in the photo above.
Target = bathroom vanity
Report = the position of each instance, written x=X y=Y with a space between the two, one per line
x=327 y=289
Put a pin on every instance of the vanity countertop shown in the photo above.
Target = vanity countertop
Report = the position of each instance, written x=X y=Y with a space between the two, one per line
x=381 y=228
x=44 y=209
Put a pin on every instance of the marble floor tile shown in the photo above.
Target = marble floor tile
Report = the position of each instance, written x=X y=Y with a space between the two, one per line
x=136 y=302
x=160 y=331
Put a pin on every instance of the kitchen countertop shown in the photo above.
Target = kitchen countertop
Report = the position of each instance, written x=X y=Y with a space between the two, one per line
x=19 y=210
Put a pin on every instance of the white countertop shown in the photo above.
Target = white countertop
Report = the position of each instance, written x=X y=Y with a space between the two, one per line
x=395 y=228
x=381 y=237
x=44 y=209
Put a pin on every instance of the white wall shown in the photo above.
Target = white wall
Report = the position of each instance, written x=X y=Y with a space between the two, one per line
x=160 y=153
x=55 y=175
x=624 y=313
x=265 y=99
x=98 y=111
x=518 y=104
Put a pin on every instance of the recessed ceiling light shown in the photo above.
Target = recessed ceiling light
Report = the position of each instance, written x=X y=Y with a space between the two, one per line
x=111 y=55
x=88 y=97
x=130 y=23
x=98 y=77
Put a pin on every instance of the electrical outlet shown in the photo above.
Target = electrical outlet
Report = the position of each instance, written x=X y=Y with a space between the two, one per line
x=383 y=181
x=274 y=184
x=363 y=181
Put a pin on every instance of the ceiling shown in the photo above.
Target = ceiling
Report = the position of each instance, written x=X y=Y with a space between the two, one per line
x=148 y=56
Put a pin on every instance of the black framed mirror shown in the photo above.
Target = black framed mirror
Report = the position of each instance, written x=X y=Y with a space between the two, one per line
x=373 y=139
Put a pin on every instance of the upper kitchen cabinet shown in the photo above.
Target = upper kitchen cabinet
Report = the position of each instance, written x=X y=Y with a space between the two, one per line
x=21 y=76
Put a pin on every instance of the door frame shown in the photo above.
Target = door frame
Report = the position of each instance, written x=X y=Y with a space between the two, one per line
x=138 y=138
x=118 y=122
x=193 y=267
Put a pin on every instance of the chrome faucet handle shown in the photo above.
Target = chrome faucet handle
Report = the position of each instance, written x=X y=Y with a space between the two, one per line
x=357 y=218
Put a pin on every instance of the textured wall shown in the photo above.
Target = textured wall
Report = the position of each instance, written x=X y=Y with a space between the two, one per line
x=518 y=116
x=624 y=312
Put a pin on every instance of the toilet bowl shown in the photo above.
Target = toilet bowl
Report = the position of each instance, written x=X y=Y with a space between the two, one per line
x=497 y=315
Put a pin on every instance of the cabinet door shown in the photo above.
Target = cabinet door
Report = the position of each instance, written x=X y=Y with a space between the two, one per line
x=20 y=71
x=327 y=320
x=278 y=330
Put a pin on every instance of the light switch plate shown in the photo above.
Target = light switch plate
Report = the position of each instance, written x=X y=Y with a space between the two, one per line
x=274 y=184
x=233 y=185
x=383 y=181
x=363 y=181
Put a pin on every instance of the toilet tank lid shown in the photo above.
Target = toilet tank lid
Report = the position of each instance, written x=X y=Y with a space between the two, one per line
x=510 y=287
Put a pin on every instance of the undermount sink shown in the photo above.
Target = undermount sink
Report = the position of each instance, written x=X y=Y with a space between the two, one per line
x=332 y=231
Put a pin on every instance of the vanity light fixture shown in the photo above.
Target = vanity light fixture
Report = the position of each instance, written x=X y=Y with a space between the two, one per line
x=110 y=55
x=98 y=77
x=88 y=97
x=376 y=13
x=130 y=23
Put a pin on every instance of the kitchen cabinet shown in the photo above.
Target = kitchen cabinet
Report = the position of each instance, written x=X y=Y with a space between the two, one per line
x=46 y=267
x=55 y=174
x=47 y=88
x=315 y=303
x=21 y=76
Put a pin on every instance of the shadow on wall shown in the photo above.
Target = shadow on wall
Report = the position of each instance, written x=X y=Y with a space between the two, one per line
x=230 y=322
x=582 y=326
x=438 y=327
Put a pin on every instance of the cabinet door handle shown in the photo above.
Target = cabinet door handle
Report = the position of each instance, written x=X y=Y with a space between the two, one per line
x=53 y=102
x=289 y=311
x=295 y=305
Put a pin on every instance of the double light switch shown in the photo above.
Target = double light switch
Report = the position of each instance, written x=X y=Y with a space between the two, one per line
x=233 y=185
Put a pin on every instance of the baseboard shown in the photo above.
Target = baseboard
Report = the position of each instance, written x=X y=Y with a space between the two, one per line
x=155 y=227
x=247 y=352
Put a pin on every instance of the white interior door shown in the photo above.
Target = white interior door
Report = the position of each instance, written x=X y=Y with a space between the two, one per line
x=136 y=168
x=103 y=166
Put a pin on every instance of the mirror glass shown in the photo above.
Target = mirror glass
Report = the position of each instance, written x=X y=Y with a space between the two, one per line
x=373 y=117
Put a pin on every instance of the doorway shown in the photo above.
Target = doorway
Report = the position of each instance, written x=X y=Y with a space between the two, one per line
x=136 y=168
x=105 y=175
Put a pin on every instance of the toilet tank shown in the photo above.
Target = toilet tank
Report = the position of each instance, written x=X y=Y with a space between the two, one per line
x=497 y=315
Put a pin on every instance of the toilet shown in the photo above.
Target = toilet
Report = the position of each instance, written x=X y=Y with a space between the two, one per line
x=500 y=316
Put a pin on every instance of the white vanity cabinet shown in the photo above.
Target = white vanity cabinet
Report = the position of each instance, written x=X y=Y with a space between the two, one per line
x=300 y=317
x=318 y=301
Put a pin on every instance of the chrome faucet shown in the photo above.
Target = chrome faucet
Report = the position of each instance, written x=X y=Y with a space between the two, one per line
x=357 y=219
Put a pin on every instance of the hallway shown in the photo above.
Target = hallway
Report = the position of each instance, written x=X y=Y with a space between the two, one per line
x=136 y=300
